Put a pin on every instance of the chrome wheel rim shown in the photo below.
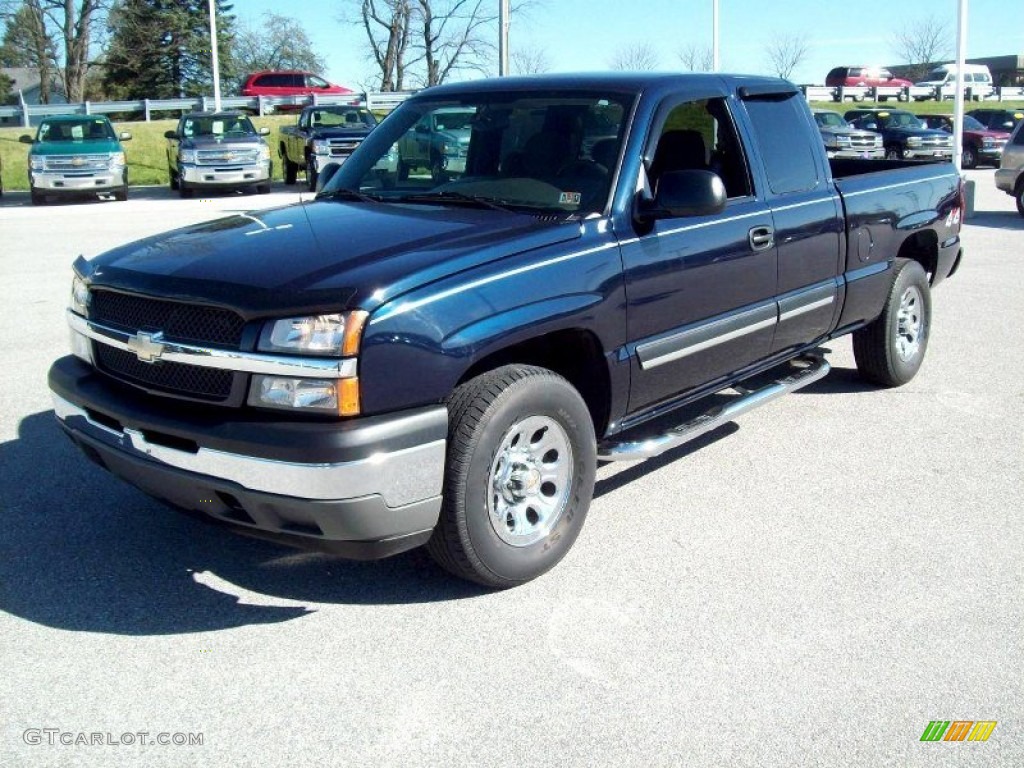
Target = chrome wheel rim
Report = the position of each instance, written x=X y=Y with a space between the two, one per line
x=531 y=477
x=910 y=324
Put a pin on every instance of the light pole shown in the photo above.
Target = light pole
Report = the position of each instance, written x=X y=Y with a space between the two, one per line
x=958 y=103
x=503 y=24
x=715 y=62
x=213 y=54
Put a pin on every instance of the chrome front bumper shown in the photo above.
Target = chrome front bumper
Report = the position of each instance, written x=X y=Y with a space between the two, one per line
x=209 y=175
x=99 y=181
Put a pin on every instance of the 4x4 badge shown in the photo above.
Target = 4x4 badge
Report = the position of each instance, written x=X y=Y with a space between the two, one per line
x=147 y=346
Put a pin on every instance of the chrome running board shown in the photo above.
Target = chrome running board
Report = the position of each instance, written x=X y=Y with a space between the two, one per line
x=813 y=369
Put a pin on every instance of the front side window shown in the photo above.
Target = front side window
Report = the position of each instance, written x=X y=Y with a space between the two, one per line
x=548 y=152
x=700 y=135
x=316 y=82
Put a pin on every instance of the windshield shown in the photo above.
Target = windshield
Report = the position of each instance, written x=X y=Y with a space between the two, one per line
x=899 y=120
x=829 y=120
x=549 y=152
x=341 y=117
x=88 y=128
x=970 y=124
x=217 y=125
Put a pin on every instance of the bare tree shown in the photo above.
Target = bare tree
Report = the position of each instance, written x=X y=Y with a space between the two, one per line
x=529 y=60
x=28 y=43
x=388 y=27
x=923 y=43
x=73 y=25
x=785 y=52
x=453 y=36
x=279 y=42
x=637 y=57
x=697 y=58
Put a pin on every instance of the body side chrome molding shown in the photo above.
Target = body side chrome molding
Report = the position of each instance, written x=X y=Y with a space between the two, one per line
x=208 y=357
x=711 y=334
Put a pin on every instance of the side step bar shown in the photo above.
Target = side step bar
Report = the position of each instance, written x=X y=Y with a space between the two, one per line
x=813 y=369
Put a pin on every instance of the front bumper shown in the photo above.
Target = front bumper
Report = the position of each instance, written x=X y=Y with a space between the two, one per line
x=1006 y=179
x=990 y=155
x=52 y=182
x=867 y=154
x=363 y=488
x=225 y=176
x=928 y=153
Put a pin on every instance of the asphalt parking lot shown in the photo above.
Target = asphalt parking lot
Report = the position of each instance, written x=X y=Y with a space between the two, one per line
x=811 y=585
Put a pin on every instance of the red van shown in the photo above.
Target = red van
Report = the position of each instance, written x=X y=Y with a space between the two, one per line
x=291 y=82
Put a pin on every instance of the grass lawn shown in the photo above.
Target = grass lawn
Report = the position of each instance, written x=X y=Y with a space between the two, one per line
x=147 y=160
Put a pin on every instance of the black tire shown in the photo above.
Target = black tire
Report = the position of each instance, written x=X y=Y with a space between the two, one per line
x=173 y=180
x=403 y=170
x=311 y=177
x=437 y=172
x=893 y=153
x=121 y=194
x=263 y=189
x=38 y=199
x=184 y=190
x=889 y=351
x=969 y=158
x=291 y=171
x=1018 y=196
x=486 y=415
x=903 y=97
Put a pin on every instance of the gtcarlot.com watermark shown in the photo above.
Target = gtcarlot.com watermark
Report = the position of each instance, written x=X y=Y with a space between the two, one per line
x=54 y=737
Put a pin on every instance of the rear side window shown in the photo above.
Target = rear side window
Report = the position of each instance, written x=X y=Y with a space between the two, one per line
x=788 y=157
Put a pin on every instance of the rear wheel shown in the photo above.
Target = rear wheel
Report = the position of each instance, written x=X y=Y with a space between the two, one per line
x=519 y=476
x=1019 y=197
x=891 y=349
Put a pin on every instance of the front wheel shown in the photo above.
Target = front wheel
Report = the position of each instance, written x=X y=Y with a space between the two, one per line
x=519 y=476
x=1019 y=197
x=893 y=153
x=38 y=199
x=311 y=177
x=889 y=351
x=291 y=170
x=121 y=194
x=969 y=158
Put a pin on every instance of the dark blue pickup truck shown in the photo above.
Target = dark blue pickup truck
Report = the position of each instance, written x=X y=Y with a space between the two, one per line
x=419 y=359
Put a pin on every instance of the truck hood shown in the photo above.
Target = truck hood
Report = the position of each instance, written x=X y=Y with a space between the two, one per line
x=83 y=147
x=319 y=256
x=206 y=142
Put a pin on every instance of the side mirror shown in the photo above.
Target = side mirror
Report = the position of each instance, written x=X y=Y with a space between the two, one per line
x=170 y=134
x=686 y=193
x=264 y=131
x=324 y=177
x=25 y=139
x=125 y=136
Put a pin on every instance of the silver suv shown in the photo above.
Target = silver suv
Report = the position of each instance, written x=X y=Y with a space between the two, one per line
x=1010 y=176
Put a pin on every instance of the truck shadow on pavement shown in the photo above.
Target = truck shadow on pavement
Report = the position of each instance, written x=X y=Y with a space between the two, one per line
x=997 y=220
x=83 y=551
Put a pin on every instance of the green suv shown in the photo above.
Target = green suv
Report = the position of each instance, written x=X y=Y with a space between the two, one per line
x=76 y=155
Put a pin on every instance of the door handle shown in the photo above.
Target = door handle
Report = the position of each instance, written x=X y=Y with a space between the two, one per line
x=761 y=238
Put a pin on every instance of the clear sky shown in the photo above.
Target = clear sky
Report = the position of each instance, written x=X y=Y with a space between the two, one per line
x=578 y=35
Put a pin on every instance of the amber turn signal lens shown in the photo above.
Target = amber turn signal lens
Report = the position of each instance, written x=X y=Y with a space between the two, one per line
x=348 y=397
x=354 y=323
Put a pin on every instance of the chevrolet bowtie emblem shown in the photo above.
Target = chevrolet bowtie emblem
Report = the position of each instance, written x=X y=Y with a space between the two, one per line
x=147 y=346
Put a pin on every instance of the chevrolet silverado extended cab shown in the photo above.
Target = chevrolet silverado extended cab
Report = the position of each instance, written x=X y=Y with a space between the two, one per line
x=322 y=136
x=218 y=150
x=75 y=156
x=409 y=361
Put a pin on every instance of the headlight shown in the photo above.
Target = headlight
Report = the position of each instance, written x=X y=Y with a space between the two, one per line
x=264 y=153
x=187 y=156
x=116 y=159
x=322 y=335
x=80 y=297
x=988 y=141
x=35 y=163
x=321 y=147
x=844 y=140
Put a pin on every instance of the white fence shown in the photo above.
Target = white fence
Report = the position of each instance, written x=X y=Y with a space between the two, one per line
x=24 y=114
x=914 y=92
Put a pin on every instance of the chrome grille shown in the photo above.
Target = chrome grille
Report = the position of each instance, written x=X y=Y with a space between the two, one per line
x=343 y=147
x=864 y=142
x=226 y=156
x=178 y=321
x=76 y=162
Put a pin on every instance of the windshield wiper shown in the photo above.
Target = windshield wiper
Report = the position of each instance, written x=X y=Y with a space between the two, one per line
x=346 y=194
x=459 y=198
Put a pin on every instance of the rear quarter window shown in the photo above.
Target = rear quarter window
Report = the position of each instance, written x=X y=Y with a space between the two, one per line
x=788 y=157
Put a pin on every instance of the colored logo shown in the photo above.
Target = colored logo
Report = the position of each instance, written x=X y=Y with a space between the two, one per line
x=958 y=730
